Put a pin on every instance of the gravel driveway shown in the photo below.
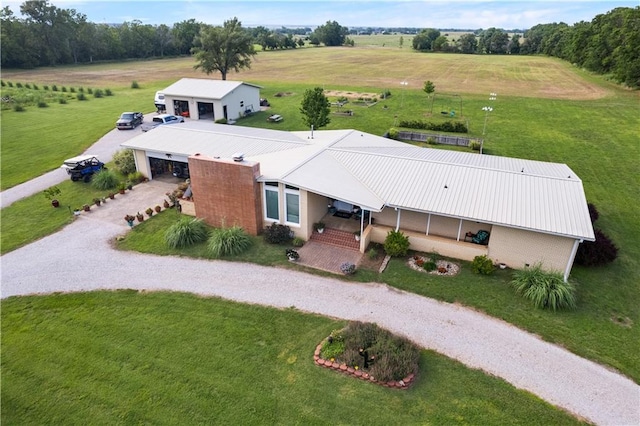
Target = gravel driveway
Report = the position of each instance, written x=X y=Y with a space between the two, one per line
x=54 y=263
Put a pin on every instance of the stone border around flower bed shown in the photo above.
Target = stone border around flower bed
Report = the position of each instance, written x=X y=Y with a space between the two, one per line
x=358 y=374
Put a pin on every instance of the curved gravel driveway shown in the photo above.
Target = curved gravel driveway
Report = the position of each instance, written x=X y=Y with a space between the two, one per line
x=588 y=390
x=54 y=264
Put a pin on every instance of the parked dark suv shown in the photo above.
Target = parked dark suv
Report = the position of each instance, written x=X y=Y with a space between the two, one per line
x=129 y=120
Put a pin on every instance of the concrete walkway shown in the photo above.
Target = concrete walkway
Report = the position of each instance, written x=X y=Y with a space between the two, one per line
x=80 y=258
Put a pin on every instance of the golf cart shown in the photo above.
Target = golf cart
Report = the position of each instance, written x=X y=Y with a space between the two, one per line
x=82 y=167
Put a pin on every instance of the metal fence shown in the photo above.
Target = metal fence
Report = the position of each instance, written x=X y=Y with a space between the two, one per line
x=440 y=139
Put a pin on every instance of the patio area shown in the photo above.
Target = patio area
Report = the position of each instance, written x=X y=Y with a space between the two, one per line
x=329 y=250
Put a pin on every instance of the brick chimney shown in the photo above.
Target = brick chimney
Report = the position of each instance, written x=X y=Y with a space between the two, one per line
x=226 y=192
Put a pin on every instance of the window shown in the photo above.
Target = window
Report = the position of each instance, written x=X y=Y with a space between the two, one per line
x=271 y=201
x=241 y=104
x=292 y=205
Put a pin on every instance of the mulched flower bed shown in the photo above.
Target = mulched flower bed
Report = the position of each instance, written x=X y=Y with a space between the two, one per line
x=443 y=267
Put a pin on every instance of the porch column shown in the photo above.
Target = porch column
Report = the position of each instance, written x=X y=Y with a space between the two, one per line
x=428 y=223
x=459 y=230
x=398 y=219
x=574 y=250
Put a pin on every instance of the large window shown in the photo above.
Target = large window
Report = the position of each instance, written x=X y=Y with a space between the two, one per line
x=271 y=201
x=292 y=205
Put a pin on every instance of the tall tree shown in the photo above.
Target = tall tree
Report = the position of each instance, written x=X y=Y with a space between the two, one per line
x=493 y=41
x=225 y=48
x=331 y=34
x=184 y=34
x=468 y=43
x=423 y=41
x=315 y=108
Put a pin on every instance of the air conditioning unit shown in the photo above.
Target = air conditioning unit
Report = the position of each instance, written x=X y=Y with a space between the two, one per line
x=238 y=157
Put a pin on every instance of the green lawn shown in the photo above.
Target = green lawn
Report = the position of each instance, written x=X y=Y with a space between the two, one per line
x=170 y=358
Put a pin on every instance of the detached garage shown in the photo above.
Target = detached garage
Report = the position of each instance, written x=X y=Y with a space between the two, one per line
x=202 y=99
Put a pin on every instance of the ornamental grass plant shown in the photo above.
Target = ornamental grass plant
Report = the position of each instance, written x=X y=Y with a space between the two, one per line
x=186 y=232
x=545 y=289
x=229 y=241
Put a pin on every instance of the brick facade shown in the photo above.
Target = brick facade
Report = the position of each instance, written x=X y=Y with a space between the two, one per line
x=226 y=192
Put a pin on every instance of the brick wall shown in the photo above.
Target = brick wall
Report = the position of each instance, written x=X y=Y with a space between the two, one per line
x=226 y=193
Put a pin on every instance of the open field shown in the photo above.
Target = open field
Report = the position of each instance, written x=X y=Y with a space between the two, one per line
x=546 y=110
x=528 y=76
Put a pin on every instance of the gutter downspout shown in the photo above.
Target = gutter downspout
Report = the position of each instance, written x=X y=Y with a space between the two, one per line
x=574 y=250
x=398 y=219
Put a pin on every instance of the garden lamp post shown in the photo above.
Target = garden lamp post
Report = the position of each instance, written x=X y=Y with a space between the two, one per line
x=404 y=84
x=487 y=110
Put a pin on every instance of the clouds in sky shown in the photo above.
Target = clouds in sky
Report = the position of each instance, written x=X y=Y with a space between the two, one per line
x=459 y=14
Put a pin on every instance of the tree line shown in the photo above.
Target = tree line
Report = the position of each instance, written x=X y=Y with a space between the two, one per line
x=608 y=45
x=49 y=36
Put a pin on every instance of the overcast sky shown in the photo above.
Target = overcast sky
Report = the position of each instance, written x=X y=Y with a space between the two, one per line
x=459 y=14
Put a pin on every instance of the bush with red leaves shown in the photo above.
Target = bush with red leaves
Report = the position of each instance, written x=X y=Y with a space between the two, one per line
x=598 y=252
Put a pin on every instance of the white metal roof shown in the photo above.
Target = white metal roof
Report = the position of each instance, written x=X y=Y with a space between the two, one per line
x=373 y=172
x=203 y=88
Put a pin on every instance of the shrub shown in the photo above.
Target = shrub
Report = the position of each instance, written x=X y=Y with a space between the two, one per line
x=54 y=88
x=186 y=232
x=81 y=97
x=396 y=244
x=98 y=93
x=135 y=85
x=124 y=161
x=544 y=289
x=62 y=101
x=104 y=180
x=27 y=86
x=229 y=241
x=35 y=87
x=372 y=253
x=90 y=91
x=432 y=141
x=42 y=104
x=393 y=133
x=221 y=121
x=81 y=89
x=347 y=268
x=429 y=266
x=135 y=177
x=482 y=265
x=19 y=85
x=45 y=87
x=297 y=242
x=108 y=92
x=10 y=84
x=598 y=252
x=64 y=89
x=72 y=90
x=277 y=233
x=2 y=83
x=475 y=145
x=389 y=357
x=593 y=212
x=18 y=107
x=292 y=254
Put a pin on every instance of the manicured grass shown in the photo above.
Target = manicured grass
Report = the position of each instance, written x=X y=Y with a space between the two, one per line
x=173 y=358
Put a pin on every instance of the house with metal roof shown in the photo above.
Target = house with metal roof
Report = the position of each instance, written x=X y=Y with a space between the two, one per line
x=529 y=211
x=204 y=99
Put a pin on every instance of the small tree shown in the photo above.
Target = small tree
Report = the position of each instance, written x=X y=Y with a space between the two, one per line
x=429 y=88
x=315 y=108
x=124 y=161
x=396 y=244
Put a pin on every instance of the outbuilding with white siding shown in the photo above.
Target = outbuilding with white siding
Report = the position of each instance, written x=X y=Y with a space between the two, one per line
x=204 y=99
